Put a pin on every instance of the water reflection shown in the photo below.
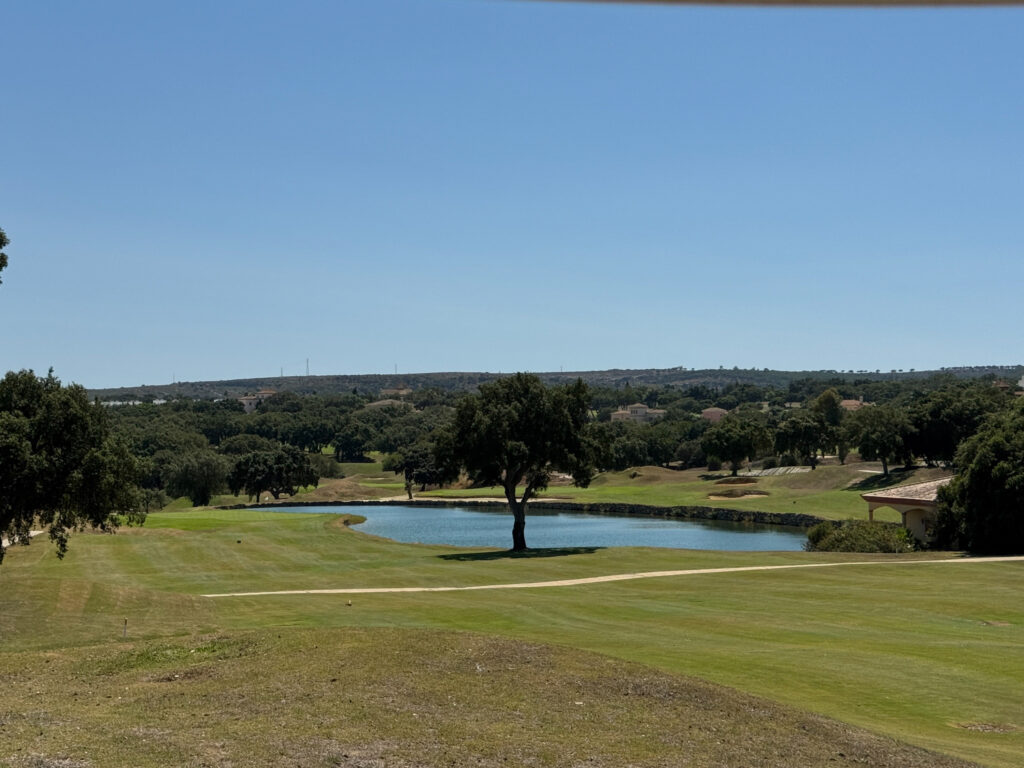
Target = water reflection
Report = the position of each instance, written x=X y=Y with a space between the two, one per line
x=552 y=529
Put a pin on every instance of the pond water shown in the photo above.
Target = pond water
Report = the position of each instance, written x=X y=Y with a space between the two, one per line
x=476 y=527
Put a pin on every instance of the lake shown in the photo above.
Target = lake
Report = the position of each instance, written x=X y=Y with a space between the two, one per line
x=474 y=527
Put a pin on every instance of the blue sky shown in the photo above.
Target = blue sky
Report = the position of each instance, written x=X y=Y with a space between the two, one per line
x=217 y=190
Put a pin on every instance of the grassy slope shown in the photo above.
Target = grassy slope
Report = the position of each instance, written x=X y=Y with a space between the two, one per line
x=831 y=492
x=399 y=698
x=917 y=652
x=361 y=481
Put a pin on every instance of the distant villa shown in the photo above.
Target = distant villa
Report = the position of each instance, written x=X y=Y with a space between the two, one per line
x=251 y=402
x=639 y=413
x=713 y=414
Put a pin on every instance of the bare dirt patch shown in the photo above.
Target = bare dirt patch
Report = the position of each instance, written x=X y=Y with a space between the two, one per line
x=735 y=493
x=987 y=727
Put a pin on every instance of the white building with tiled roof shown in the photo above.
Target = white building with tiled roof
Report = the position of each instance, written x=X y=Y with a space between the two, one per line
x=916 y=504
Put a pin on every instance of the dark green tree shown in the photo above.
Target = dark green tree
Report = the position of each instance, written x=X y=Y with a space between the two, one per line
x=352 y=439
x=515 y=433
x=418 y=466
x=982 y=508
x=881 y=433
x=945 y=418
x=282 y=471
x=828 y=408
x=802 y=433
x=60 y=468
x=239 y=445
x=736 y=437
x=198 y=475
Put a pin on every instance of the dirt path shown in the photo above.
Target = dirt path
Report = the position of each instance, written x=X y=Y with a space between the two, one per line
x=613 y=577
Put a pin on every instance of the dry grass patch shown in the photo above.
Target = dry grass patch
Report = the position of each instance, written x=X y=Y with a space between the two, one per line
x=376 y=697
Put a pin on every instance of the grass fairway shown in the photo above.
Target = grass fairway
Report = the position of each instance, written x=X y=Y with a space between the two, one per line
x=931 y=654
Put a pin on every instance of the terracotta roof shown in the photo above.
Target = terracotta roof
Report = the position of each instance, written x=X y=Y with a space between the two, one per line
x=916 y=492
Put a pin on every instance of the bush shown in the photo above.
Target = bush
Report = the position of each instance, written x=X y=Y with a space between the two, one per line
x=770 y=462
x=788 y=460
x=859 y=536
x=714 y=464
x=326 y=466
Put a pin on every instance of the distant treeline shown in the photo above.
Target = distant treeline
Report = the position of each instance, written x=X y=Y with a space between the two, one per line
x=715 y=379
x=190 y=447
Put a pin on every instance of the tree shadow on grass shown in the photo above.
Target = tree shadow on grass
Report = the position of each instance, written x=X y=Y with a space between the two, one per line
x=505 y=554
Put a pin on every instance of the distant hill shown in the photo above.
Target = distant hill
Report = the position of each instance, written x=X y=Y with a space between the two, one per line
x=372 y=384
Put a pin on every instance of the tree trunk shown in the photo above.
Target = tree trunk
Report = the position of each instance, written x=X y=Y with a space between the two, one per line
x=518 y=509
x=885 y=467
x=518 y=526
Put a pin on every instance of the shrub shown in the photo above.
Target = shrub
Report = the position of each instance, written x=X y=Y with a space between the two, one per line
x=771 y=462
x=788 y=460
x=859 y=536
x=714 y=464
x=326 y=466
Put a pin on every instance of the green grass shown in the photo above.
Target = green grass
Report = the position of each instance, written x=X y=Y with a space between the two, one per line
x=929 y=654
x=829 y=492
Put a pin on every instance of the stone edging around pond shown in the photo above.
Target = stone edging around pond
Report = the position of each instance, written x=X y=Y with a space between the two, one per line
x=622 y=510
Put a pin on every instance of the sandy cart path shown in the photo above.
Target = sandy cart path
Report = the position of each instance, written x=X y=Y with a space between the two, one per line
x=613 y=577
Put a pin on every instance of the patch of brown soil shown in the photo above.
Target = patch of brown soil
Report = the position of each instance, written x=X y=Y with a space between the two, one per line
x=187 y=673
x=987 y=727
x=737 y=493
x=344 y=489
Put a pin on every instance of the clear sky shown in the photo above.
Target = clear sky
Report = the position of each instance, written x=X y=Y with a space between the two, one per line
x=206 y=190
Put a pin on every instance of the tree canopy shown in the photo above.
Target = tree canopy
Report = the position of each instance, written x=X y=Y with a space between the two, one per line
x=418 y=465
x=982 y=508
x=736 y=437
x=803 y=433
x=515 y=433
x=60 y=468
x=281 y=471
x=881 y=433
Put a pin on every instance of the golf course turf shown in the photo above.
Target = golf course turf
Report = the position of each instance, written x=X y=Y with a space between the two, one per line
x=931 y=655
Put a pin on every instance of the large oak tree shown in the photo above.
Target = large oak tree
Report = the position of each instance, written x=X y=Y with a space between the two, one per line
x=60 y=468
x=515 y=433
